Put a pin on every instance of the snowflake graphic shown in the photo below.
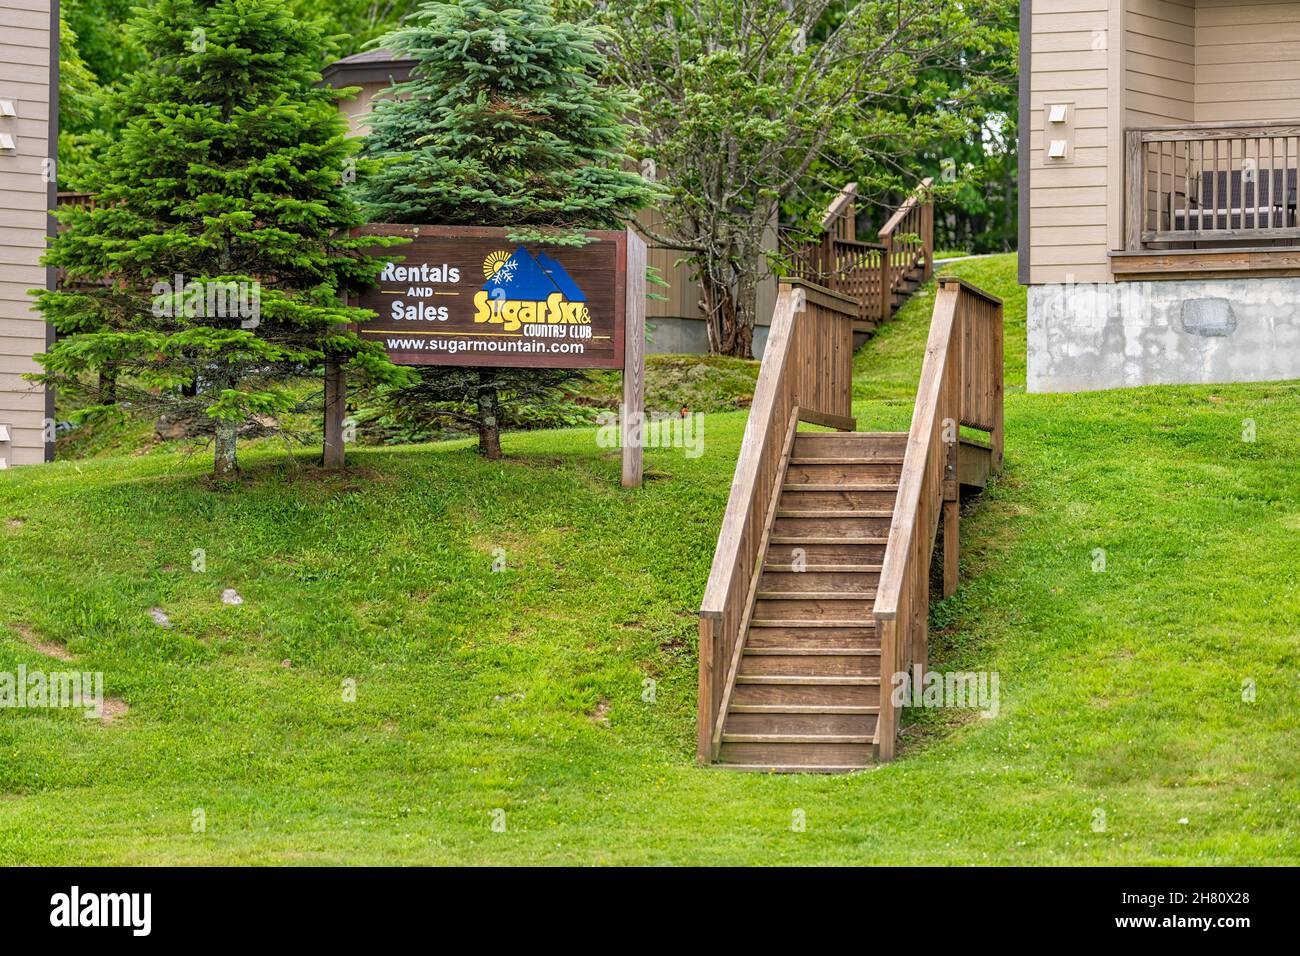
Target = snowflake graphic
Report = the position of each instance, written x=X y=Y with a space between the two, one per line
x=505 y=273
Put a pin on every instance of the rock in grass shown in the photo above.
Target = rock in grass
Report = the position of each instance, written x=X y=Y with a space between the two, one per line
x=160 y=617
x=231 y=596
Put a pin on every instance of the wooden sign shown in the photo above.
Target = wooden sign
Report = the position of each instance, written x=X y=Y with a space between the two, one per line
x=466 y=295
x=461 y=295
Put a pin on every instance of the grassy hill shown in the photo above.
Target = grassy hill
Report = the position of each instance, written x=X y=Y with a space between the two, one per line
x=524 y=689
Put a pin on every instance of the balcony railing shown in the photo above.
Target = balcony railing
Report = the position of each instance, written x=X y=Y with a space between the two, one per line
x=1211 y=186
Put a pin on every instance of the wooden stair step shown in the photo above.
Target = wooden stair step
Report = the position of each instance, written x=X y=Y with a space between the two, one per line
x=822 y=539
x=807 y=680
x=824 y=568
x=874 y=460
x=844 y=486
x=797 y=738
x=831 y=513
x=848 y=709
x=813 y=651
x=778 y=622
x=816 y=595
x=836 y=436
x=793 y=767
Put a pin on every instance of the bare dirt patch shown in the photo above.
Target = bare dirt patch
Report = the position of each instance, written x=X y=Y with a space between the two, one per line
x=600 y=714
x=114 y=710
x=33 y=640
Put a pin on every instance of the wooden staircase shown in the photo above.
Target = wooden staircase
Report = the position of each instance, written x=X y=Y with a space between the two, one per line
x=819 y=587
x=880 y=276
x=807 y=693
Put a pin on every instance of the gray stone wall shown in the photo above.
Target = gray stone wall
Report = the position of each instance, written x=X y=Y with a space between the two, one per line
x=1188 y=331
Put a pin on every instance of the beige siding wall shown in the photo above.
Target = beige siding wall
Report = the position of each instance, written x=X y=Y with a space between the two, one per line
x=358 y=108
x=1070 y=64
x=1247 y=61
x=1159 y=75
x=681 y=299
x=24 y=79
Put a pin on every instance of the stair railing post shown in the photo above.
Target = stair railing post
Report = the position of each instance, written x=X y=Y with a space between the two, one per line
x=887 y=718
x=927 y=235
x=886 y=280
x=997 y=432
x=707 y=707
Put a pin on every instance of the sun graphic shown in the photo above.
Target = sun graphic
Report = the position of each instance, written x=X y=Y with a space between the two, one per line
x=493 y=263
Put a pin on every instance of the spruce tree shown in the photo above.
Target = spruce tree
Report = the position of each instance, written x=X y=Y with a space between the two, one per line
x=210 y=269
x=504 y=122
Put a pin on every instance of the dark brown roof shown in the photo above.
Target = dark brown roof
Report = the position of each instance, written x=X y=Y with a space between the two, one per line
x=368 y=66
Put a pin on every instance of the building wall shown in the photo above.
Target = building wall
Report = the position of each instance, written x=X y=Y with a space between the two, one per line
x=1070 y=64
x=1118 y=63
x=1159 y=62
x=1176 y=331
x=1247 y=61
x=358 y=108
x=25 y=194
x=1165 y=63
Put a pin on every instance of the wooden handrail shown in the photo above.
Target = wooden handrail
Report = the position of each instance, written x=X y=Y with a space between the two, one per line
x=841 y=207
x=961 y=384
x=918 y=197
x=807 y=374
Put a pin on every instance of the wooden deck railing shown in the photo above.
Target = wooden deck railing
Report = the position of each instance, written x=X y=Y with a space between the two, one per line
x=961 y=384
x=806 y=375
x=1211 y=185
x=873 y=273
x=77 y=199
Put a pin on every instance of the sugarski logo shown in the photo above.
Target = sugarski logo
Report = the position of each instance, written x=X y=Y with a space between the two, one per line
x=527 y=289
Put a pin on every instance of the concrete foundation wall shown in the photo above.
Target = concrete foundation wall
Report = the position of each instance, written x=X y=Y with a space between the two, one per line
x=690 y=337
x=1195 y=331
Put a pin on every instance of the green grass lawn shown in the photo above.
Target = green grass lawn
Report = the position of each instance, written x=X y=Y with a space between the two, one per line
x=524 y=690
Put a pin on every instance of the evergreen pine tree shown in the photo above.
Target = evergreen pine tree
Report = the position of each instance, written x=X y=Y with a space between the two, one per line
x=227 y=181
x=504 y=122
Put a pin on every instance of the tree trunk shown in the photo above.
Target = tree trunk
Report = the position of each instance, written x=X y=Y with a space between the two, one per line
x=489 y=431
x=731 y=304
x=333 y=454
x=107 y=388
x=225 y=464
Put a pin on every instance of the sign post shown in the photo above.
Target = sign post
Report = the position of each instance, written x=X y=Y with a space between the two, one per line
x=467 y=295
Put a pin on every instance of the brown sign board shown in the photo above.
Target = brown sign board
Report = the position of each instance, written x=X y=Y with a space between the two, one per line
x=467 y=295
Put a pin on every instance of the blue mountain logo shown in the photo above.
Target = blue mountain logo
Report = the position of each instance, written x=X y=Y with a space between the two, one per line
x=525 y=288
